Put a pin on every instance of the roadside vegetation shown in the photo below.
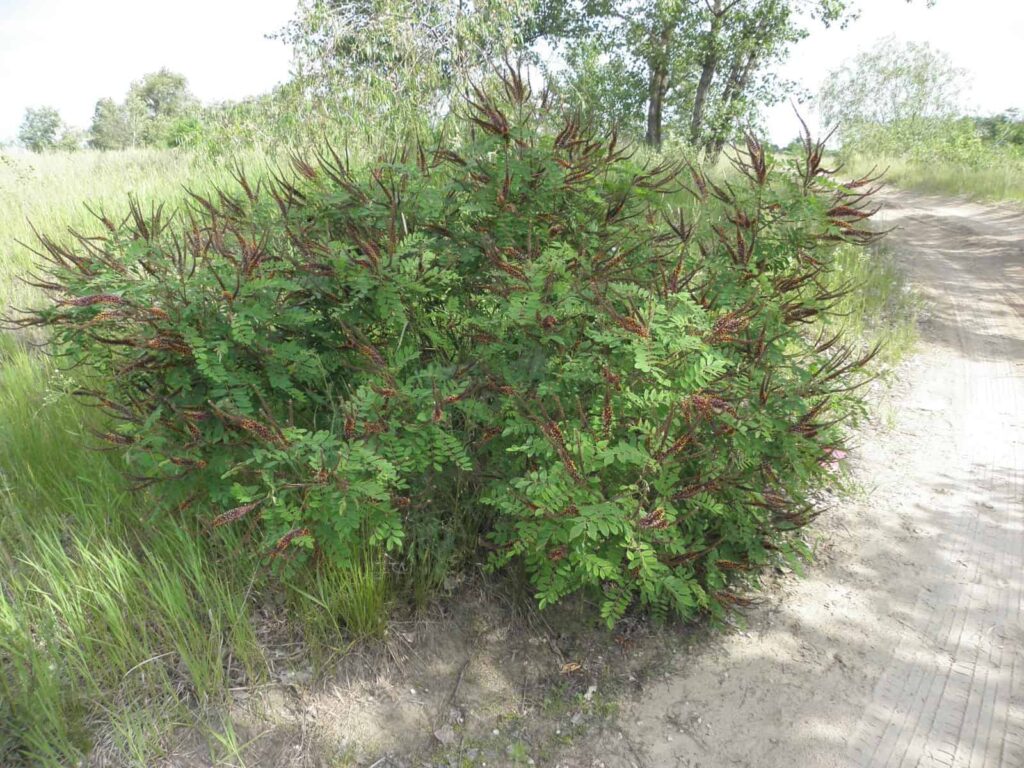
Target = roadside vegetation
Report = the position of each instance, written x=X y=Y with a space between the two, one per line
x=54 y=191
x=123 y=616
x=310 y=392
x=995 y=173
x=897 y=109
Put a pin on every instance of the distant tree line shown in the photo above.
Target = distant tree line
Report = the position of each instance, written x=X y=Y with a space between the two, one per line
x=904 y=99
x=158 y=111
x=692 y=72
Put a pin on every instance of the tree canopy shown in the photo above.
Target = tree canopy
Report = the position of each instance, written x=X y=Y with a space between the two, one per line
x=700 y=66
x=109 y=128
x=896 y=82
x=401 y=60
x=41 y=129
x=164 y=93
x=158 y=110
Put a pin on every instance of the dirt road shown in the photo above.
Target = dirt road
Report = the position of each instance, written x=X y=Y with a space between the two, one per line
x=904 y=646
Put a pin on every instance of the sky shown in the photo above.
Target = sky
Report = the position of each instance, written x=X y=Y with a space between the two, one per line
x=70 y=53
x=985 y=37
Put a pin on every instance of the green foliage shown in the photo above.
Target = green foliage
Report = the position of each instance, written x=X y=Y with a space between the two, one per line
x=607 y=90
x=695 y=69
x=109 y=129
x=158 y=111
x=164 y=93
x=961 y=156
x=607 y=364
x=1006 y=129
x=184 y=132
x=389 y=66
x=935 y=140
x=267 y=122
x=50 y=188
x=41 y=129
x=907 y=87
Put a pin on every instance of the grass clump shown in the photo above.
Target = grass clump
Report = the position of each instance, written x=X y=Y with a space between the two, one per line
x=882 y=308
x=113 y=622
x=350 y=600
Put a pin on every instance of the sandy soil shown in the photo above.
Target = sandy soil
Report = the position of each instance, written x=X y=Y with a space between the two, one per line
x=904 y=646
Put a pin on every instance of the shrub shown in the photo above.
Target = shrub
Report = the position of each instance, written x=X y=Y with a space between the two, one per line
x=606 y=368
x=936 y=140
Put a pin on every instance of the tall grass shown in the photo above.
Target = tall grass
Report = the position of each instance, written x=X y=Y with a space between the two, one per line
x=112 y=624
x=50 y=190
x=119 y=627
x=999 y=178
x=882 y=308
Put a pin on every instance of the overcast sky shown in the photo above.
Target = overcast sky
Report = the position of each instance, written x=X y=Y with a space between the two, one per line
x=69 y=53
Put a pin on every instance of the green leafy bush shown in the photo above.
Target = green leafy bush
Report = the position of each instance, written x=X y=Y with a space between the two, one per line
x=608 y=370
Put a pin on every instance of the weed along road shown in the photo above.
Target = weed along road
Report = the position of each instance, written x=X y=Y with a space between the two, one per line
x=904 y=644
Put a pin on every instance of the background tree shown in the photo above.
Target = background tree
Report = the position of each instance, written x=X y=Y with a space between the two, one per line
x=164 y=93
x=607 y=87
x=137 y=119
x=398 y=62
x=701 y=66
x=158 y=110
x=109 y=129
x=160 y=99
x=41 y=129
x=896 y=84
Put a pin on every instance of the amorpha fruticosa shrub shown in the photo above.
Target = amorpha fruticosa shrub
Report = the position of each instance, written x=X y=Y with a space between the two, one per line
x=613 y=365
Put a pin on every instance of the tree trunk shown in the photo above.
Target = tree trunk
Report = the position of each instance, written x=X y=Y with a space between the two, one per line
x=657 y=87
x=655 y=106
x=739 y=79
x=707 y=74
